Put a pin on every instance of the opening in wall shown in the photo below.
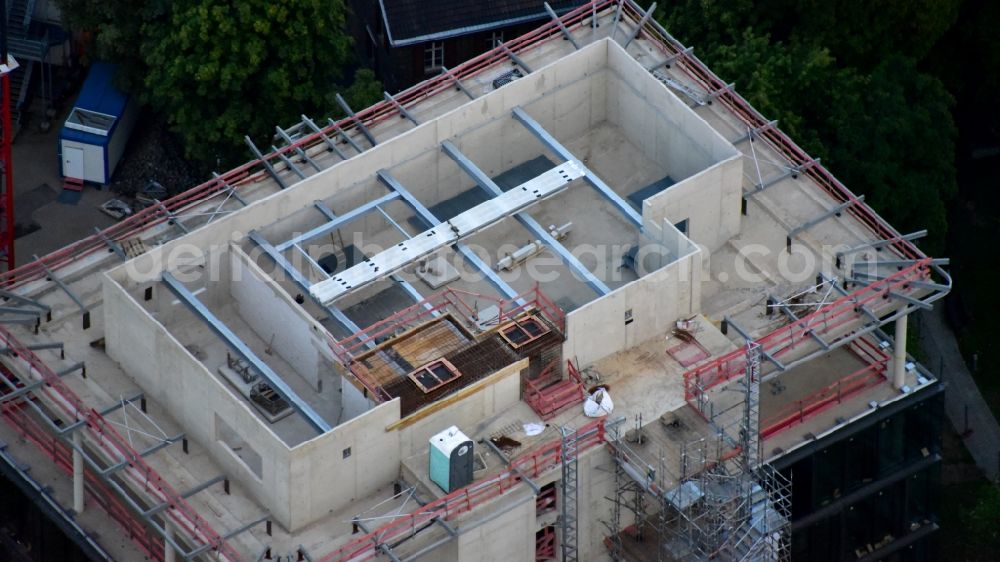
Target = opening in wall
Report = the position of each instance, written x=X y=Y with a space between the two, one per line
x=236 y=445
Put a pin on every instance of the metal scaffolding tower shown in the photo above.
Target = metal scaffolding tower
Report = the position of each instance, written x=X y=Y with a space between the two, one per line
x=569 y=514
x=719 y=503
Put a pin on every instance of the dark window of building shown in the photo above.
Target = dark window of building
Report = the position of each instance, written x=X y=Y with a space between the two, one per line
x=495 y=40
x=434 y=57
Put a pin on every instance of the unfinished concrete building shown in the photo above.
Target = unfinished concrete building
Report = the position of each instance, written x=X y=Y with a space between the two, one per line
x=376 y=339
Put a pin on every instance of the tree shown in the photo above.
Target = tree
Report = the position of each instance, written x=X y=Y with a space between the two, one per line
x=894 y=140
x=219 y=71
x=885 y=131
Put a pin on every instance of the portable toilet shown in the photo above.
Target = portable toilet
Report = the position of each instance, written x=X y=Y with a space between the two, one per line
x=96 y=131
x=451 y=459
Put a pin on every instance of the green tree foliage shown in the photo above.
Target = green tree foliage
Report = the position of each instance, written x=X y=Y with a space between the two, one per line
x=842 y=79
x=219 y=71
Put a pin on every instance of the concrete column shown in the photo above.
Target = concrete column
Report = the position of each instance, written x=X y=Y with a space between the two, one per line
x=169 y=554
x=77 y=472
x=899 y=367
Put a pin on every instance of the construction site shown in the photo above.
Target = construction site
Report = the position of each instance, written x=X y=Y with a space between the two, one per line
x=573 y=299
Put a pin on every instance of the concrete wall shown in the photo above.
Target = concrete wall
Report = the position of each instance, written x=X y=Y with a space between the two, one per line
x=271 y=313
x=325 y=476
x=656 y=301
x=710 y=201
x=506 y=532
x=171 y=376
x=489 y=397
x=297 y=486
x=659 y=122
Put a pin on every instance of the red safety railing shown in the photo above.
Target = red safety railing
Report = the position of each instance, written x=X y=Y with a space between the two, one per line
x=796 y=412
x=15 y=413
x=545 y=544
x=699 y=380
x=106 y=440
x=550 y=393
x=531 y=465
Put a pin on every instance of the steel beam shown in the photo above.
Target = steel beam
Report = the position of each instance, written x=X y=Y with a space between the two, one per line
x=499 y=452
x=746 y=335
x=24 y=311
x=826 y=215
x=901 y=263
x=347 y=109
x=756 y=132
x=336 y=223
x=562 y=27
x=55 y=279
x=403 y=283
x=517 y=60
x=616 y=19
x=908 y=299
x=425 y=214
x=24 y=300
x=267 y=165
x=402 y=110
x=780 y=305
x=111 y=244
x=843 y=292
x=230 y=189
x=329 y=142
x=640 y=25
x=298 y=149
x=385 y=548
x=163 y=444
x=243 y=350
x=769 y=183
x=35 y=385
x=327 y=211
x=490 y=187
x=670 y=60
x=242 y=529
x=303 y=283
x=122 y=403
x=343 y=134
x=171 y=217
x=555 y=146
x=37 y=346
x=882 y=243
x=710 y=96
x=871 y=277
x=458 y=83
x=288 y=163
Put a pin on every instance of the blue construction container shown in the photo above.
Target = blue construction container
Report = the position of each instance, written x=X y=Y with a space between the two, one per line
x=93 y=138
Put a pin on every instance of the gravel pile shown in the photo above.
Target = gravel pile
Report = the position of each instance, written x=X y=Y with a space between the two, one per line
x=154 y=154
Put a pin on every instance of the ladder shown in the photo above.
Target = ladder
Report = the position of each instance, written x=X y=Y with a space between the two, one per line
x=679 y=86
x=570 y=538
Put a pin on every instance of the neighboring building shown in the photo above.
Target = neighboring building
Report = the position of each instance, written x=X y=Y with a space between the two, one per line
x=407 y=41
x=292 y=359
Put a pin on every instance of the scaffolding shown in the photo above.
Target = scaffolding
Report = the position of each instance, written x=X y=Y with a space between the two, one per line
x=719 y=503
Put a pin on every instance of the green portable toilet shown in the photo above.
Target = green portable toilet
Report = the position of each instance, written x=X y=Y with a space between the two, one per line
x=450 y=459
